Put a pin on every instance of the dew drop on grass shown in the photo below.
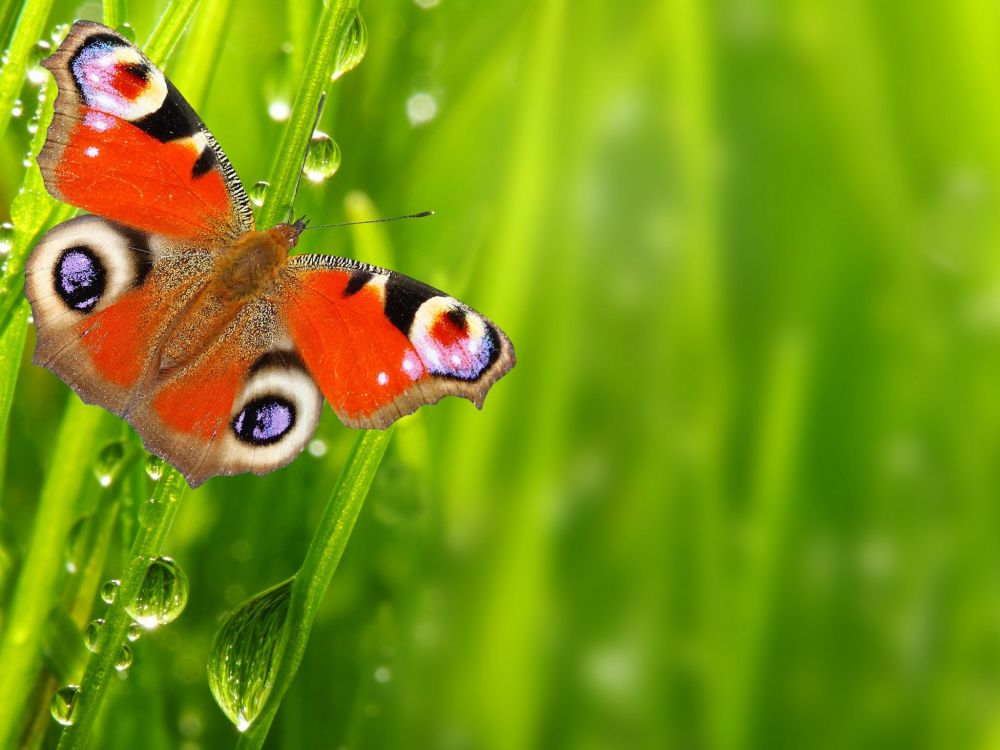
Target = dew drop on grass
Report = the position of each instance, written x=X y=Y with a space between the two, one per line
x=134 y=631
x=353 y=46
x=258 y=192
x=127 y=31
x=59 y=32
x=124 y=660
x=322 y=158
x=36 y=73
x=6 y=237
x=91 y=633
x=109 y=462
x=162 y=595
x=64 y=703
x=109 y=590
x=154 y=468
x=242 y=663
x=17 y=109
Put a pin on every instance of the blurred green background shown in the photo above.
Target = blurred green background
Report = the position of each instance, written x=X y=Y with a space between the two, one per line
x=740 y=489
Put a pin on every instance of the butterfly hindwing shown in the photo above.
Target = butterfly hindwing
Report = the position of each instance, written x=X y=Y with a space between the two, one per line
x=380 y=344
x=125 y=144
x=245 y=403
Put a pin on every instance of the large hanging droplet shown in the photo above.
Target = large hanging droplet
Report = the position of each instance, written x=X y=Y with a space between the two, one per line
x=242 y=662
x=162 y=595
x=64 y=703
x=322 y=158
x=353 y=46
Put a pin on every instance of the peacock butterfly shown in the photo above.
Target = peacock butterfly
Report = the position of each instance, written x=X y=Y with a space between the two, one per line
x=168 y=307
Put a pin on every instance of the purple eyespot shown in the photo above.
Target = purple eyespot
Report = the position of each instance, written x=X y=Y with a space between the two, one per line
x=264 y=420
x=80 y=278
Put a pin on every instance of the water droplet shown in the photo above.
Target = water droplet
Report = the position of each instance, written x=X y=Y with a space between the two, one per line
x=383 y=674
x=322 y=158
x=91 y=633
x=36 y=73
x=154 y=468
x=42 y=50
x=162 y=595
x=317 y=447
x=109 y=462
x=32 y=127
x=124 y=660
x=421 y=108
x=279 y=110
x=127 y=31
x=17 y=109
x=134 y=631
x=6 y=237
x=427 y=4
x=353 y=46
x=109 y=590
x=258 y=192
x=63 y=704
x=59 y=32
x=242 y=662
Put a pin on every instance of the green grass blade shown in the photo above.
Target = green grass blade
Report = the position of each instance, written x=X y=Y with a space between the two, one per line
x=287 y=165
x=44 y=563
x=115 y=13
x=318 y=567
x=156 y=520
x=29 y=29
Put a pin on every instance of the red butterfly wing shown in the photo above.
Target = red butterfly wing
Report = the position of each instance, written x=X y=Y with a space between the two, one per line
x=380 y=344
x=125 y=145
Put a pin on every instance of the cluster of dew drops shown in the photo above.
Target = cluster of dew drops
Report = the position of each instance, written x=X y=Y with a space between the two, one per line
x=323 y=157
x=161 y=598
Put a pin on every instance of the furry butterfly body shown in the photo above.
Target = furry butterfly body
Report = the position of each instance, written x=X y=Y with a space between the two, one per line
x=167 y=305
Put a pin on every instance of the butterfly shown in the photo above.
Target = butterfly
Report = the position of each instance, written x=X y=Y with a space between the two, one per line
x=166 y=305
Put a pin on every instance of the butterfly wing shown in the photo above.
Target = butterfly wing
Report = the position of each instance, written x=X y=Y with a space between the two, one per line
x=380 y=344
x=125 y=144
x=136 y=325
x=244 y=403
x=104 y=298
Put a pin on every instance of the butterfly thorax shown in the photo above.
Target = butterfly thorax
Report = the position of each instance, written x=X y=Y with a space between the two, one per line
x=250 y=267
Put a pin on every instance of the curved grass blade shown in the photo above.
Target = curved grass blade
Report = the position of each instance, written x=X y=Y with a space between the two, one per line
x=318 y=567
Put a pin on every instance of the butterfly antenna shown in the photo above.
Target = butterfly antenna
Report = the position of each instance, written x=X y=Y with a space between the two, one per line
x=420 y=215
x=305 y=155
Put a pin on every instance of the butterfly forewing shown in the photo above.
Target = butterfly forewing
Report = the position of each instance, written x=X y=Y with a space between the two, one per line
x=126 y=145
